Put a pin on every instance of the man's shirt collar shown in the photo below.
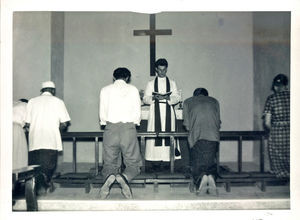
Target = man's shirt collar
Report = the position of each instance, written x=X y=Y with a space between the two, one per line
x=47 y=93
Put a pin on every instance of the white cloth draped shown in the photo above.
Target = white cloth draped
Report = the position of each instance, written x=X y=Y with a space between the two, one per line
x=20 y=149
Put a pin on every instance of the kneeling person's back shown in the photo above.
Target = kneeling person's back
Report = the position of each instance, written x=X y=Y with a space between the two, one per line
x=202 y=118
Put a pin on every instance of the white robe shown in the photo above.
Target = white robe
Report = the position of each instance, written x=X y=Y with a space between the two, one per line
x=154 y=153
x=20 y=148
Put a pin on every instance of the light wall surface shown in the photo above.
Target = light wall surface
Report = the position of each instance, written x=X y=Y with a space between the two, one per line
x=206 y=49
x=31 y=53
x=271 y=49
x=212 y=50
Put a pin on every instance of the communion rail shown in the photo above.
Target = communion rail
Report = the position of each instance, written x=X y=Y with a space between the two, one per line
x=228 y=178
x=238 y=136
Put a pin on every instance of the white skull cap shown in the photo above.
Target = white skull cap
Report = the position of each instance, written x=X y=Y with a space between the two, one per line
x=48 y=84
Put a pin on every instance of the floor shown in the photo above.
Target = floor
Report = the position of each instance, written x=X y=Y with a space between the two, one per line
x=167 y=197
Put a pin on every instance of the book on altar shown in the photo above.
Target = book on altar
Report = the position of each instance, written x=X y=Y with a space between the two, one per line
x=162 y=94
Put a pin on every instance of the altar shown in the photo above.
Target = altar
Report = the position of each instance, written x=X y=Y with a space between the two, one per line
x=145 y=113
x=180 y=164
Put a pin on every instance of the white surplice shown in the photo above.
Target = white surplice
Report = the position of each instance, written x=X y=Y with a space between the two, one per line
x=159 y=153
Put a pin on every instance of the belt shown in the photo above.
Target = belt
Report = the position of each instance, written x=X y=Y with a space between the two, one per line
x=281 y=122
x=114 y=123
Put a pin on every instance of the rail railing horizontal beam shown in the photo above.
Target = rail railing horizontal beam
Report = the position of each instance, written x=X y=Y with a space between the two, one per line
x=238 y=136
x=223 y=134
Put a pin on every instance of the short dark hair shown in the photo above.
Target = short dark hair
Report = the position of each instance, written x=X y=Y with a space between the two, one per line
x=200 y=91
x=161 y=62
x=280 y=80
x=47 y=89
x=23 y=100
x=122 y=73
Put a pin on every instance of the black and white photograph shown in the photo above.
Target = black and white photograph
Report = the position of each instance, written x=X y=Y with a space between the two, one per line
x=156 y=109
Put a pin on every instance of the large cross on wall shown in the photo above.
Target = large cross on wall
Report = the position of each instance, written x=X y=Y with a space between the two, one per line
x=152 y=32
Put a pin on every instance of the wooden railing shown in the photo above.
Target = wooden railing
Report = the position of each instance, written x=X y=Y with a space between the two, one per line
x=238 y=136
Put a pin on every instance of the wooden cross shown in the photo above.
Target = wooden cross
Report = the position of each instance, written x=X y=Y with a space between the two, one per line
x=152 y=32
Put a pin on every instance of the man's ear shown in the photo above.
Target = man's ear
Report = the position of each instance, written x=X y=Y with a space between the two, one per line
x=53 y=91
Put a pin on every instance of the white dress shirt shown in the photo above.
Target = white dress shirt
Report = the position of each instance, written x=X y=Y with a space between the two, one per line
x=44 y=114
x=120 y=102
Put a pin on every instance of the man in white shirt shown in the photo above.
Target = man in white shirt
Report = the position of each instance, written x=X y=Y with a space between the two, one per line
x=160 y=93
x=120 y=112
x=46 y=116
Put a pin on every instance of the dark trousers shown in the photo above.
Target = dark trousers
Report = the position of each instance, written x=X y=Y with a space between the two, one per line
x=203 y=159
x=157 y=166
x=47 y=159
x=183 y=164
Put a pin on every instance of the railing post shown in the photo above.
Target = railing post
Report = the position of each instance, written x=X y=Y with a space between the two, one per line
x=74 y=155
x=228 y=135
x=262 y=154
x=142 y=150
x=240 y=154
x=96 y=156
x=172 y=152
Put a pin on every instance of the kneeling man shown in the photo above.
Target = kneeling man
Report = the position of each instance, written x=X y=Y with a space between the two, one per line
x=201 y=117
x=120 y=112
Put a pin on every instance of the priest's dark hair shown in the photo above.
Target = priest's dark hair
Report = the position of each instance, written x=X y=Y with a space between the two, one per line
x=161 y=62
x=200 y=91
x=122 y=73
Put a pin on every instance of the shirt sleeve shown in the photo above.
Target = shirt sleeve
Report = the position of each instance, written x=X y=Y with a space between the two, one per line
x=185 y=116
x=175 y=96
x=28 y=112
x=268 y=106
x=64 y=115
x=218 y=113
x=147 y=99
x=102 y=108
x=23 y=117
x=137 y=107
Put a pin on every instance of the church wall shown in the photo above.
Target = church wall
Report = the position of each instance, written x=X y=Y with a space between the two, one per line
x=95 y=45
x=271 y=48
x=212 y=50
x=31 y=53
x=208 y=49
x=271 y=45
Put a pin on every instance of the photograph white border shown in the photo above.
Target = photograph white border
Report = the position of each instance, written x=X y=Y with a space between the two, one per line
x=152 y=6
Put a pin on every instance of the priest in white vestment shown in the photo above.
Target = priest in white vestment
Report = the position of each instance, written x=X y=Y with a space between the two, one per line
x=161 y=94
